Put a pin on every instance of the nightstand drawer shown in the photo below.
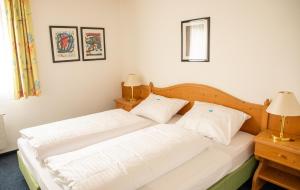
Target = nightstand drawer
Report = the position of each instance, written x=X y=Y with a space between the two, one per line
x=123 y=106
x=278 y=155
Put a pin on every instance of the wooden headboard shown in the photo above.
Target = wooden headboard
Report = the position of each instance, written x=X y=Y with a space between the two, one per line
x=199 y=92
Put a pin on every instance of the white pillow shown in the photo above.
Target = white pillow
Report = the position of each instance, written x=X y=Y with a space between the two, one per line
x=159 y=108
x=214 y=121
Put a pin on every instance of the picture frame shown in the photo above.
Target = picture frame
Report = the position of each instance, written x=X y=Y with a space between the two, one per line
x=64 y=43
x=93 y=43
x=195 y=39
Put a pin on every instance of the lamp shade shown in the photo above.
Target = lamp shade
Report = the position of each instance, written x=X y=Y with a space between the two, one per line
x=284 y=104
x=132 y=80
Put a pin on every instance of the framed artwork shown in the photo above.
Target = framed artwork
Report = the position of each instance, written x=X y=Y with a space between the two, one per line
x=195 y=40
x=64 y=43
x=93 y=43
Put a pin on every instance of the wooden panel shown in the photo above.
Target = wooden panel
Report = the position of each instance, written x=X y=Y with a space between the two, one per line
x=292 y=124
x=123 y=106
x=126 y=105
x=278 y=155
x=285 y=169
x=260 y=119
x=199 y=92
x=210 y=94
x=139 y=92
x=279 y=161
x=290 y=146
x=280 y=178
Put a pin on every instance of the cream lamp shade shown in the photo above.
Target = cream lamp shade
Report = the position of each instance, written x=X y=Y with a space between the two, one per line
x=132 y=80
x=284 y=104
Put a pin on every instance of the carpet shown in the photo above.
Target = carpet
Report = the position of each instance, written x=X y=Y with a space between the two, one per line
x=10 y=176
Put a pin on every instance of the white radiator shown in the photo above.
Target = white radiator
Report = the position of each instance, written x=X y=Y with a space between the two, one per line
x=3 y=141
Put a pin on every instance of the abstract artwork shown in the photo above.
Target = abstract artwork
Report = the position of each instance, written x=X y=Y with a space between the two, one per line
x=64 y=43
x=93 y=43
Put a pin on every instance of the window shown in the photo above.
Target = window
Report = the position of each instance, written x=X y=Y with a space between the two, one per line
x=6 y=77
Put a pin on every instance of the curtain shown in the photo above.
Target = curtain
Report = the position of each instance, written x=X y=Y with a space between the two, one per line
x=6 y=77
x=26 y=80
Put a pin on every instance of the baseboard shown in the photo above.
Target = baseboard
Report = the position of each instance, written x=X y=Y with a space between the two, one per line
x=8 y=152
x=9 y=148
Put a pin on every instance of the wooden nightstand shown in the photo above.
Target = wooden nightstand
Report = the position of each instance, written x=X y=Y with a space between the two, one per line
x=279 y=162
x=125 y=104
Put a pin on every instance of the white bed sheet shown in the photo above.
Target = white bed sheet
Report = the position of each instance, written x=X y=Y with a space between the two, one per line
x=94 y=138
x=199 y=173
x=129 y=161
x=40 y=173
x=207 y=168
x=81 y=131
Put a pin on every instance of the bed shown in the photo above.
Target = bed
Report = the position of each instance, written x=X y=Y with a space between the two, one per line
x=78 y=132
x=222 y=177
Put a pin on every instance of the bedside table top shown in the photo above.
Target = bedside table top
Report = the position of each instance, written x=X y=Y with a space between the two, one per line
x=127 y=102
x=265 y=137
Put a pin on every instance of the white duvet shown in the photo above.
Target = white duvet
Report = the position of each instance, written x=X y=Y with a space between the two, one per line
x=127 y=162
x=76 y=133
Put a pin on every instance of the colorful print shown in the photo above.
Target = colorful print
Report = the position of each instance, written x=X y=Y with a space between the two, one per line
x=64 y=42
x=93 y=44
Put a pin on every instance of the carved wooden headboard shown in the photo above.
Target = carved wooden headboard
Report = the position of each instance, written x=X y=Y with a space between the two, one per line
x=199 y=92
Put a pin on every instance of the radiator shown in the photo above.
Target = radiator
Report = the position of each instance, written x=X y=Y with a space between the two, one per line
x=3 y=141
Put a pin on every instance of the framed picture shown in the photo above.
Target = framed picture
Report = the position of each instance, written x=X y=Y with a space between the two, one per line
x=64 y=43
x=195 y=40
x=93 y=43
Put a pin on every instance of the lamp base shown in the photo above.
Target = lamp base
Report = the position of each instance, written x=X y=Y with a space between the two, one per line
x=280 y=139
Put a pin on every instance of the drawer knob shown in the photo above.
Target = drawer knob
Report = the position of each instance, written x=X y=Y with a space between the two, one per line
x=282 y=156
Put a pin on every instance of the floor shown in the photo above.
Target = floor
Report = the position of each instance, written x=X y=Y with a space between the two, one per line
x=10 y=175
x=12 y=179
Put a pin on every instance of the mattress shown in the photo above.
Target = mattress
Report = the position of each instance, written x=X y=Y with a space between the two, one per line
x=199 y=173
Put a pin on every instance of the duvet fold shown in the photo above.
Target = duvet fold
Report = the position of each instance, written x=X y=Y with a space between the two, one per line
x=79 y=132
x=127 y=162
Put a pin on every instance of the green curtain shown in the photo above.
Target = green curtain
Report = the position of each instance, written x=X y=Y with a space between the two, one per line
x=26 y=80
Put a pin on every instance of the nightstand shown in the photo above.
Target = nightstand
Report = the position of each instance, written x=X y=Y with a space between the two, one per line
x=279 y=162
x=125 y=104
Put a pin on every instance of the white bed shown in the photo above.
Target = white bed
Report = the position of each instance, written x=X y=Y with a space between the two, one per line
x=199 y=173
x=71 y=134
x=207 y=168
x=40 y=173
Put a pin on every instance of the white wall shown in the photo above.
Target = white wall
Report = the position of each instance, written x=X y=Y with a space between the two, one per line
x=72 y=88
x=254 y=53
x=255 y=45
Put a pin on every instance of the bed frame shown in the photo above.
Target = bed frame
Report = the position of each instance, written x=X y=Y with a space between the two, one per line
x=211 y=94
x=198 y=92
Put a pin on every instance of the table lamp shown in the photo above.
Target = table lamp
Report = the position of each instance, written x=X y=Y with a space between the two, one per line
x=132 y=81
x=285 y=104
